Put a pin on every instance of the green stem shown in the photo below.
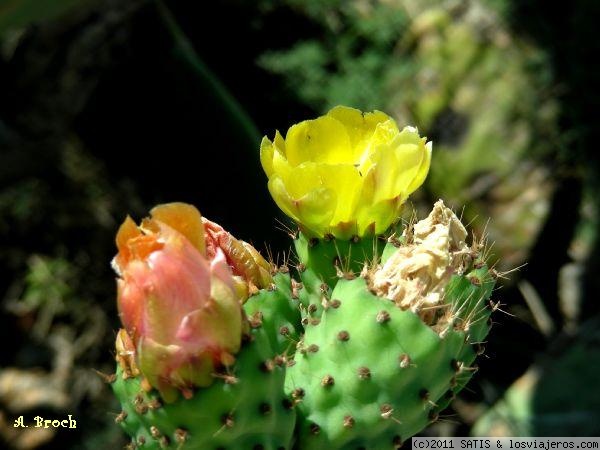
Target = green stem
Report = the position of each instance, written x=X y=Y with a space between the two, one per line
x=185 y=50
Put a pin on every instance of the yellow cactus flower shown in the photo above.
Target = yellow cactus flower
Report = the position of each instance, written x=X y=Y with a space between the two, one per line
x=345 y=173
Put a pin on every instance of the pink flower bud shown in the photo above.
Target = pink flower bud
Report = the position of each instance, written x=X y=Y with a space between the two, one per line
x=178 y=302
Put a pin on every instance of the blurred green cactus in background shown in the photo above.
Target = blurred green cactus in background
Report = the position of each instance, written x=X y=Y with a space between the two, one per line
x=537 y=403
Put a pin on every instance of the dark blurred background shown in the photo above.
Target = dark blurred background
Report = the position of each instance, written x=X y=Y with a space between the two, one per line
x=108 y=107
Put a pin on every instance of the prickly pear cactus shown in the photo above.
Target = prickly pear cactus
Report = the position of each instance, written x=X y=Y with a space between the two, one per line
x=392 y=346
x=324 y=261
x=243 y=409
x=361 y=347
x=277 y=311
x=195 y=370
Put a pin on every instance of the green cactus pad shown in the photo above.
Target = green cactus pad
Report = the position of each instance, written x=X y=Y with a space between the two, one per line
x=246 y=411
x=322 y=261
x=322 y=256
x=371 y=375
x=470 y=296
x=278 y=312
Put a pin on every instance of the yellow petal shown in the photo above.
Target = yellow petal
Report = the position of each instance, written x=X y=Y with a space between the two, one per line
x=384 y=135
x=302 y=179
x=184 y=218
x=423 y=170
x=410 y=135
x=345 y=181
x=279 y=143
x=316 y=209
x=313 y=210
x=282 y=198
x=272 y=157
x=376 y=218
x=395 y=167
x=281 y=166
x=360 y=126
x=266 y=155
x=323 y=140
